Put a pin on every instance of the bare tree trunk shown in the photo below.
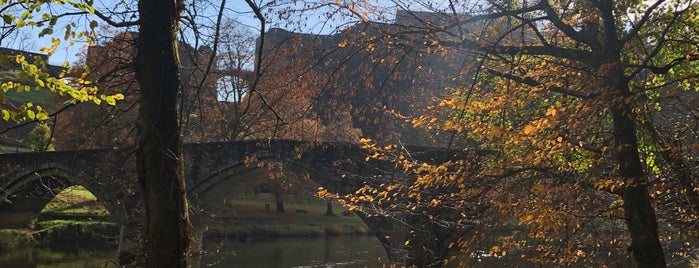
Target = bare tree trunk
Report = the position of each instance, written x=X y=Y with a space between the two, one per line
x=159 y=147
x=279 y=201
x=329 y=208
x=638 y=212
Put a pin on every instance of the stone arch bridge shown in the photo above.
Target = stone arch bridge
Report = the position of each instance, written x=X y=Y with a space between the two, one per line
x=213 y=171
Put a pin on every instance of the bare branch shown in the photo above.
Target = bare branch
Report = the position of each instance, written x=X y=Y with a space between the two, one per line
x=531 y=82
x=111 y=22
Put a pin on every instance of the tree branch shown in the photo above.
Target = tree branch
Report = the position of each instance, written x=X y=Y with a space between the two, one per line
x=531 y=82
x=111 y=22
x=636 y=28
x=565 y=28
x=29 y=122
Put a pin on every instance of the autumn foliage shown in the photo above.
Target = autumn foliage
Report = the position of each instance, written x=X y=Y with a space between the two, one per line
x=580 y=112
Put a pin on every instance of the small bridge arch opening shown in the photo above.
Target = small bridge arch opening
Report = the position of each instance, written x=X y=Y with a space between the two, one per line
x=269 y=175
x=29 y=193
x=214 y=197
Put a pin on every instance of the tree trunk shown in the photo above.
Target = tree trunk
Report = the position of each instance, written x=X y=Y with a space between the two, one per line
x=159 y=150
x=279 y=201
x=329 y=208
x=638 y=212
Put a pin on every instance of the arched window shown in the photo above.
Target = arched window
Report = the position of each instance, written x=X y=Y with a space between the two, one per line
x=231 y=88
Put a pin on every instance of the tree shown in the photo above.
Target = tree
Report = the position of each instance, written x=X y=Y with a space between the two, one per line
x=599 y=70
x=27 y=79
x=41 y=139
x=159 y=150
x=563 y=95
x=329 y=208
x=235 y=60
x=110 y=61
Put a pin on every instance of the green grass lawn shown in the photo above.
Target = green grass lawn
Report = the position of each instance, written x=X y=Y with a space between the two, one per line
x=247 y=216
x=75 y=200
x=244 y=216
x=36 y=96
x=13 y=149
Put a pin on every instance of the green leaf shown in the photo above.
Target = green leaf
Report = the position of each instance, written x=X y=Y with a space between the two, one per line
x=8 y=18
x=6 y=115
x=42 y=115
x=31 y=114
x=110 y=100
x=45 y=31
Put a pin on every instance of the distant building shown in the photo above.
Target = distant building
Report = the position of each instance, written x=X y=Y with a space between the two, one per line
x=111 y=69
x=383 y=73
x=365 y=81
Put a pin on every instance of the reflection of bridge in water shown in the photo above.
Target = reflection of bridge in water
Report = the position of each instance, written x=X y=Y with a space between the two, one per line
x=214 y=172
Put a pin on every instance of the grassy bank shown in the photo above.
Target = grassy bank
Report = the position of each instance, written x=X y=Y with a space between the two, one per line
x=247 y=216
x=16 y=238
x=74 y=200
x=74 y=214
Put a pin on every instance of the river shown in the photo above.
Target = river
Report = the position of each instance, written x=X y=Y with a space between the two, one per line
x=340 y=251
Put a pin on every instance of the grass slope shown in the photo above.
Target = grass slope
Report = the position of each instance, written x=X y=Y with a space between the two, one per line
x=75 y=200
x=35 y=95
x=75 y=212
x=246 y=216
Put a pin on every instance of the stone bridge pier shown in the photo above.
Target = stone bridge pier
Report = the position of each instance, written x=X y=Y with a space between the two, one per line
x=214 y=172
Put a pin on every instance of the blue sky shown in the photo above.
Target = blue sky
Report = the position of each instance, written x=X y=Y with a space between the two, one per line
x=28 y=38
x=311 y=20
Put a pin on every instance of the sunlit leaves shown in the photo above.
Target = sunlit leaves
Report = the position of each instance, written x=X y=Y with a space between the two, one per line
x=32 y=74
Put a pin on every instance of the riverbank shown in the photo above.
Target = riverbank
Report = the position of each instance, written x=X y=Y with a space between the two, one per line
x=75 y=215
x=55 y=232
x=255 y=216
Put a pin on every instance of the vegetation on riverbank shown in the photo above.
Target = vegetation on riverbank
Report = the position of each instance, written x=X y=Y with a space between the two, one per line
x=15 y=238
x=76 y=214
x=247 y=217
x=75 y=200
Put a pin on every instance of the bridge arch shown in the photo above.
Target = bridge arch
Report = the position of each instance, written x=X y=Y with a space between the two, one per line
x=235 y=171
x=28 y=192
x=111 y=175
x=207 y=196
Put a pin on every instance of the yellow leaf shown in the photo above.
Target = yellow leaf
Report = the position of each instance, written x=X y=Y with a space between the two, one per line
x=111 y=101
x=31 y=114
x=42 y=116
x=529 y=129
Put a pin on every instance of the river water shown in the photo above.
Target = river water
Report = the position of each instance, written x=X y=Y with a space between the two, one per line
x=341 y=251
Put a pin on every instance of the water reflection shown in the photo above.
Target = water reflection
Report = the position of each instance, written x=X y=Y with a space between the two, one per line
x=342 y=251
x=65 y=256
x=349 y=252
